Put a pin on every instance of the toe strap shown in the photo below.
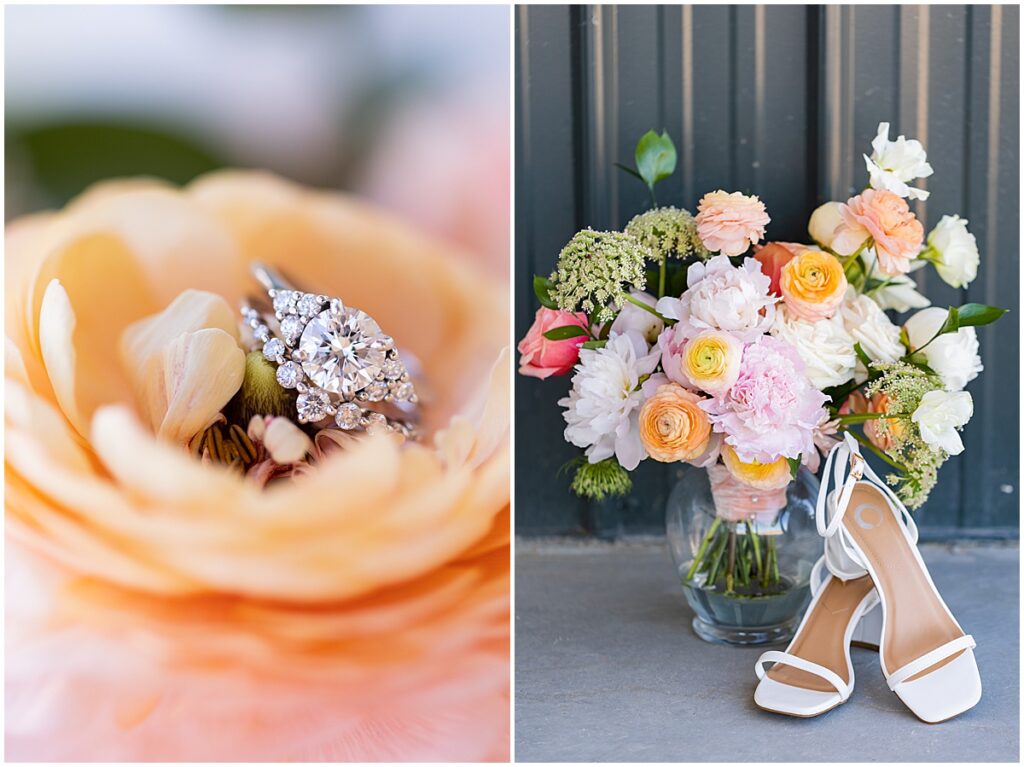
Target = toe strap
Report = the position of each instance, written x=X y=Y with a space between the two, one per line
x=830 y=676
x=930 y=658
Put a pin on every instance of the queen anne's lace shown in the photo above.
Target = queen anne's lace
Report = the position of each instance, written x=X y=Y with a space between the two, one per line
x=668 y=232
x=595 y=271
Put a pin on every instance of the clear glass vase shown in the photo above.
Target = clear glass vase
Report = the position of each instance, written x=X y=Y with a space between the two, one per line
x=743 y=556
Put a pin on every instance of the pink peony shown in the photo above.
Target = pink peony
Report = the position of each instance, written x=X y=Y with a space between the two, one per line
x=730 y=223
x=721 y=296
x=885 y=217
x=772 y=410
x=542 y=357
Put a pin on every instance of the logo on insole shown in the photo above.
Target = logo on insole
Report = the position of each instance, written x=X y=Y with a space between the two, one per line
x=867 y=516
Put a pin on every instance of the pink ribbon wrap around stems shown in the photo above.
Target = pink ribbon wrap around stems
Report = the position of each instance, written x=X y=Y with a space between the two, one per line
x=736 y=501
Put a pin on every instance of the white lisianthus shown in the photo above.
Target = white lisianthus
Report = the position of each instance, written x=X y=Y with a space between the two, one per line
x=632 y=317
x=954 y=251
x=868 y=325
x=893 y=163
x=602 y=409
x=938 y=417
x=953 y=356
x=823 y=224
x=824 y=346
x=899 y=293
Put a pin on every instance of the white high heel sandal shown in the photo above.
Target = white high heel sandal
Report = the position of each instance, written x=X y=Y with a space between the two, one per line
x=926 y=657
x=815 y=674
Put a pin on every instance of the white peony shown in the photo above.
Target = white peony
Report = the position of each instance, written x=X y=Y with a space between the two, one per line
x=720 y=296
x=868 y=325
x=939 y=415
x=893 y=163
x=954 y=251
x=823 y=224
x=900 y=292
x=824 y=346
x=602 y=409
x=954 y=356
x=632 y=317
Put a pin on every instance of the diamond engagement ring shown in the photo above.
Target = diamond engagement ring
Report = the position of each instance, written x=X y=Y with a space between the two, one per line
x=336 y=356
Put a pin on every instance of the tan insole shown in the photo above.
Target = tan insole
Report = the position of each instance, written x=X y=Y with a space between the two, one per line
x=823 y=637
x=915 y=621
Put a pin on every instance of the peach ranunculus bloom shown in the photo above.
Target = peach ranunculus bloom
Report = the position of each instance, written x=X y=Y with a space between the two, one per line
x=773 y=256
x=813 y=285
x=884 y=433
x=887 y=219
x=729 y=223
x=163 y=608
x=672 y=425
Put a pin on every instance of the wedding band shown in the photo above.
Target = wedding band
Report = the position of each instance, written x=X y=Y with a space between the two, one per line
x=336 y=357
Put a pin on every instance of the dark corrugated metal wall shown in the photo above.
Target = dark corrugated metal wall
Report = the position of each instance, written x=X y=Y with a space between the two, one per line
x=780 y=101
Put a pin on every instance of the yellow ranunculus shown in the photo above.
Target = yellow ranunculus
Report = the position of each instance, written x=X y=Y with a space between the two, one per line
x=764 y=476
x=711 y=361
x=813 y=285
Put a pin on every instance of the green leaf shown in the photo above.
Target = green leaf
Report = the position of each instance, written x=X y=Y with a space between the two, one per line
x=542 y=289
x=794 y=465
x=978 y=314
x=952 y=323
x=655 y=157
x=564 y=332
x=593 y=344
x=862 y=355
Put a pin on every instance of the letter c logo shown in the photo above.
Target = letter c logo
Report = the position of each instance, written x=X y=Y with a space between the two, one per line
x=872 y=517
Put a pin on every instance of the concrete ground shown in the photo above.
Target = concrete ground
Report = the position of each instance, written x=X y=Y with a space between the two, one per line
x=609 y=669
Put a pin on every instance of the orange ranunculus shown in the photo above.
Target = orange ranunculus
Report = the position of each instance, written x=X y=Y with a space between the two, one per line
x=813 y=285
x=763 y=476
x=160 y=608
x=672 y=425
x=884 y=433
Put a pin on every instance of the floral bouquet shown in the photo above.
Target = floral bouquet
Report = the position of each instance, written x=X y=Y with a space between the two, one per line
x=691 y=341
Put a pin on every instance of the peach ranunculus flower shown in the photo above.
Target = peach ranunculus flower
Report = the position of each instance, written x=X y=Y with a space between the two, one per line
x=672 y=425
x=884 y=433
x=763 y=476
x=887 y=219
x=729 y=223
x=159 y=607
x=711 y=361
x=813 y=285
x=541 y=357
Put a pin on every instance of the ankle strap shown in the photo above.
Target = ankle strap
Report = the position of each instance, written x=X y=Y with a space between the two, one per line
x=775 y=656
x=848 y=467
x=940 y=653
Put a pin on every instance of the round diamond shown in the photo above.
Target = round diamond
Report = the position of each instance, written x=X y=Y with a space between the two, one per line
x=291 y=327
x=349 y=416
x=283 y=301
x=312 y=405
x=376 y=391
x=340 y=350
x=273 y=349
x=393 y=368
x=289 y=374
x=375 y=422
x=404 y=390
x=262 y=333
x=308 y=305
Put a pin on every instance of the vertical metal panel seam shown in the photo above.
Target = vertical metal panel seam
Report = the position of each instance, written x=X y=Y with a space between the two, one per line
x=923 y=40
x=759 y=91
x=688 y=137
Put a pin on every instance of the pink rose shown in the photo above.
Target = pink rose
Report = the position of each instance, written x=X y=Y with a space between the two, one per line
x=730 y=223
x=542 y=357
x=885 y=217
